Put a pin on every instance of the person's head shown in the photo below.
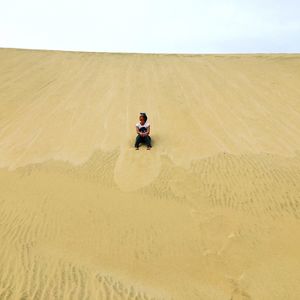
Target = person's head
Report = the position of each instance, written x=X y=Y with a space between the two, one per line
x=143 y=118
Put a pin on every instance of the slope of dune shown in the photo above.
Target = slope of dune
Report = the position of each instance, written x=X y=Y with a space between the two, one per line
x=212 y=211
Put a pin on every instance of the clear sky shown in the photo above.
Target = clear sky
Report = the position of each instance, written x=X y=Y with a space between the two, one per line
x=164 y=26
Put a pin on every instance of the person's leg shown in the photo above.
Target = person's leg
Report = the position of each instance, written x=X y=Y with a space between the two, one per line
x=138 y=140
x=148 y=141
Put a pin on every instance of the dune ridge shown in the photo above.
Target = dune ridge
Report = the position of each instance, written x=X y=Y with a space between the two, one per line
x=211 y=212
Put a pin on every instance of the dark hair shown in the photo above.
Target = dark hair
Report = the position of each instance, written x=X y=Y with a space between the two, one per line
x=144 y=116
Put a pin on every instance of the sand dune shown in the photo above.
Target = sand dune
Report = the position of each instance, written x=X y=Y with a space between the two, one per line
x=211 y=212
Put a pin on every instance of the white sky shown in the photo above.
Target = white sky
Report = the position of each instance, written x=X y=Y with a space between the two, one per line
x=164 y=26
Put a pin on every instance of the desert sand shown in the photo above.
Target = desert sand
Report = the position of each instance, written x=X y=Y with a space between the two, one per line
x=212 y=211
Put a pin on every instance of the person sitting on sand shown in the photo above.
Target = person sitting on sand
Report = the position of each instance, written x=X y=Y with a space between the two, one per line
x=143 y=131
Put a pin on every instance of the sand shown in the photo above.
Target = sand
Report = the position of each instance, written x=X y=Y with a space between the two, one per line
x=212 y=211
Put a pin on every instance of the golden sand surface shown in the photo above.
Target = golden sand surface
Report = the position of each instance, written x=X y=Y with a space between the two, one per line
x=212 y=211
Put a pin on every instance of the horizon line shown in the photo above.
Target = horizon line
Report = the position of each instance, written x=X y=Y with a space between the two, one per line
x=154 y=53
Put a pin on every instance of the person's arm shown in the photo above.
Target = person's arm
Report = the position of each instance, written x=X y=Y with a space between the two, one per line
x=148 y=130
x=137 y=130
